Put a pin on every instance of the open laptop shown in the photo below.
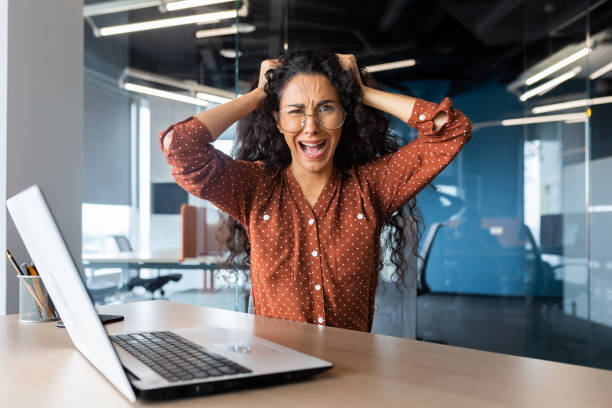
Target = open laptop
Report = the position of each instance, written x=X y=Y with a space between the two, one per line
x=152 y=365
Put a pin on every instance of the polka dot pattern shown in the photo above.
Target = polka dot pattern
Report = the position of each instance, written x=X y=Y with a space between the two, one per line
x=318 y=264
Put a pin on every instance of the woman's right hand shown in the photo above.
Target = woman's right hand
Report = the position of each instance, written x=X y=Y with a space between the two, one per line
x=266 y=65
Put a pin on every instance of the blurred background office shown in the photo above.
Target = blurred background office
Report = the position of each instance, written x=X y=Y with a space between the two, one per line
x=516 y=256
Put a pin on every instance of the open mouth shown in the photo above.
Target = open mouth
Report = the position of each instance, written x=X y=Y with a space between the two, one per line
x=313 y=150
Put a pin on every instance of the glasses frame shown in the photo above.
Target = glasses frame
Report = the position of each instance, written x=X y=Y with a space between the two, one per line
x=344 y=115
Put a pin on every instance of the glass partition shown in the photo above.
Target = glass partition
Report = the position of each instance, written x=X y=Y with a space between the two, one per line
x=515 y=255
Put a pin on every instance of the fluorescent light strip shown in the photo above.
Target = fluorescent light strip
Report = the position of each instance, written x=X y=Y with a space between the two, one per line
x=391 y=65
x=163 y=94
x=544 y=119
x=184 y=4
x=117 y=6
x=600 y=208
x=547 y=86
x=559 y=65
x=144 y=202
x=214 y=32
x=569 y=122
x=571 y=104
x=167 y=22
x=601 y=71
x=212 y=98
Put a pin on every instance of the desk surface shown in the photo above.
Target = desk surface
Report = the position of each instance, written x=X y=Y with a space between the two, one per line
x=40 y=367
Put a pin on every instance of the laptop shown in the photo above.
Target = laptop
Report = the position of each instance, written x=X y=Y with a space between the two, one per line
x=149 y=365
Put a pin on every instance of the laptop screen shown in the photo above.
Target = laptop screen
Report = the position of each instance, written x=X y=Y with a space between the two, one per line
x=48 y=250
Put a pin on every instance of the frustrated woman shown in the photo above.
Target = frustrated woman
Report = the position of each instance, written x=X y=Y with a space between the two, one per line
x=317 y=177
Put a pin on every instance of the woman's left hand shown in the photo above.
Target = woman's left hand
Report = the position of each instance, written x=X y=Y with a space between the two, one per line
x=349 y=63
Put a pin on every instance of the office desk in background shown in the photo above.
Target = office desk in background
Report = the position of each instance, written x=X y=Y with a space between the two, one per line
x=162 y=259
x=39 y=367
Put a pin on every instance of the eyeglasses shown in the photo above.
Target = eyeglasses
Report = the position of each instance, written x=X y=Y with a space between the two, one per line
x=329 y=115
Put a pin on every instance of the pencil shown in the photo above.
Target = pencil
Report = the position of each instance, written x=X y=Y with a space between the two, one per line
x=14 y=263
x=40 y=289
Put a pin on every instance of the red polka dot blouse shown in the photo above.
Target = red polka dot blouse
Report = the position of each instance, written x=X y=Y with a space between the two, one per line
x=320 y=264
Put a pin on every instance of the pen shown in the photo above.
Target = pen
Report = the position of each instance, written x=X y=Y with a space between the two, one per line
x=24 y=268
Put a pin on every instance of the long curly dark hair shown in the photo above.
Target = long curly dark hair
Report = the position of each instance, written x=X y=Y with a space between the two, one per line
x=365 y=137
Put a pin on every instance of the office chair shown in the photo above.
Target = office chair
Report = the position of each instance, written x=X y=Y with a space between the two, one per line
x=151 y=285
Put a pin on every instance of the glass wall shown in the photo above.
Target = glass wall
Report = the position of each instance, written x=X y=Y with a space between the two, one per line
x=522 y=266
x=515 y=256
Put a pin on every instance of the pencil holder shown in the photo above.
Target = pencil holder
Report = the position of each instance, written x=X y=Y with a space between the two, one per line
x=35 y=305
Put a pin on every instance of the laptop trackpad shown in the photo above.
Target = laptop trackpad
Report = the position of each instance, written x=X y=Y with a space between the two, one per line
x=249 y=346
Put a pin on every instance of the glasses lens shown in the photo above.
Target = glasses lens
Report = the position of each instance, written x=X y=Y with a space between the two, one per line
x=291 y=119
x=329 y=115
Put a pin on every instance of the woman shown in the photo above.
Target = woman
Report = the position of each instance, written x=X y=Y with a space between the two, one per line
x=319 y=178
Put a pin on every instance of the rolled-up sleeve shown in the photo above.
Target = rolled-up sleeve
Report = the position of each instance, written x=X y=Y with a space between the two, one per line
x=208 y=173
x=397 y=177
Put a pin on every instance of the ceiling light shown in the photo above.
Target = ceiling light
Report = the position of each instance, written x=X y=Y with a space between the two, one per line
x=212 y=98
x=391 y=65
x=559 y=65
x=184 y=4
x=229 y=53
x=581 y=116
x=572 y=104
x=233 y=29
x=203 y=93
x=163 y=94
x=601 y=71
x=547 y=86
x=580 y=120
x=167 y=22
x=117 y=6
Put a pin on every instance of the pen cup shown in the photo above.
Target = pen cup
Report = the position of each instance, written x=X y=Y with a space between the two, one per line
x=35 y=305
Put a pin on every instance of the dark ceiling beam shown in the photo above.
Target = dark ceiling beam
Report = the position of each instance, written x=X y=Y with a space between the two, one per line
x=392 y=14
x=275 y=26
x=209 y=67
x=484 y=69
x=498 y=12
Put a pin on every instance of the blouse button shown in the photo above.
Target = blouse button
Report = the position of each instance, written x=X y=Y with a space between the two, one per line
x=320 y=320
x=360 y=216
x=317 y=287
x=266 y=217
x=311 y=221
x=421 y=116
x=314 y=253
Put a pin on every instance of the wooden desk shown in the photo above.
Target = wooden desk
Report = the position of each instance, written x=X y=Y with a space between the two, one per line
x=39 y=367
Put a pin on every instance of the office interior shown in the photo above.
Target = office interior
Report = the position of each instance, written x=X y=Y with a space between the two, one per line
x=516 y=254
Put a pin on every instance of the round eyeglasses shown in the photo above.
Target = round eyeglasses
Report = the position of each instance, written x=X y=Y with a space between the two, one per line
x=330 y=115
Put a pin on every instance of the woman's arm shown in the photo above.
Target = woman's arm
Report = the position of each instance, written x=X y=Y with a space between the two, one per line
x=221 y=117
x=206 y=172
x=398 y=105
x=443 y=131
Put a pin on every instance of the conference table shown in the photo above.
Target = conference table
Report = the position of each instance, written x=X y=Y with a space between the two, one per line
x=39 y=367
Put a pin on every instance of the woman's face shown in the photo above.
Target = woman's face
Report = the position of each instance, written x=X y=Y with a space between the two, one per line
x=312 y=147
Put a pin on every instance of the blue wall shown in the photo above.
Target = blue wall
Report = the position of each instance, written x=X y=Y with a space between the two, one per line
x=466 y=257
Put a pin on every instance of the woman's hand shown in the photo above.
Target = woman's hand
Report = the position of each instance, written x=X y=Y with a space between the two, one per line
x=266 y=65
x=349 y=63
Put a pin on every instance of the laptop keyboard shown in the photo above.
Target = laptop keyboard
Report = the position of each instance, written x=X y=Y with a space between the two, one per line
x=176 y=358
